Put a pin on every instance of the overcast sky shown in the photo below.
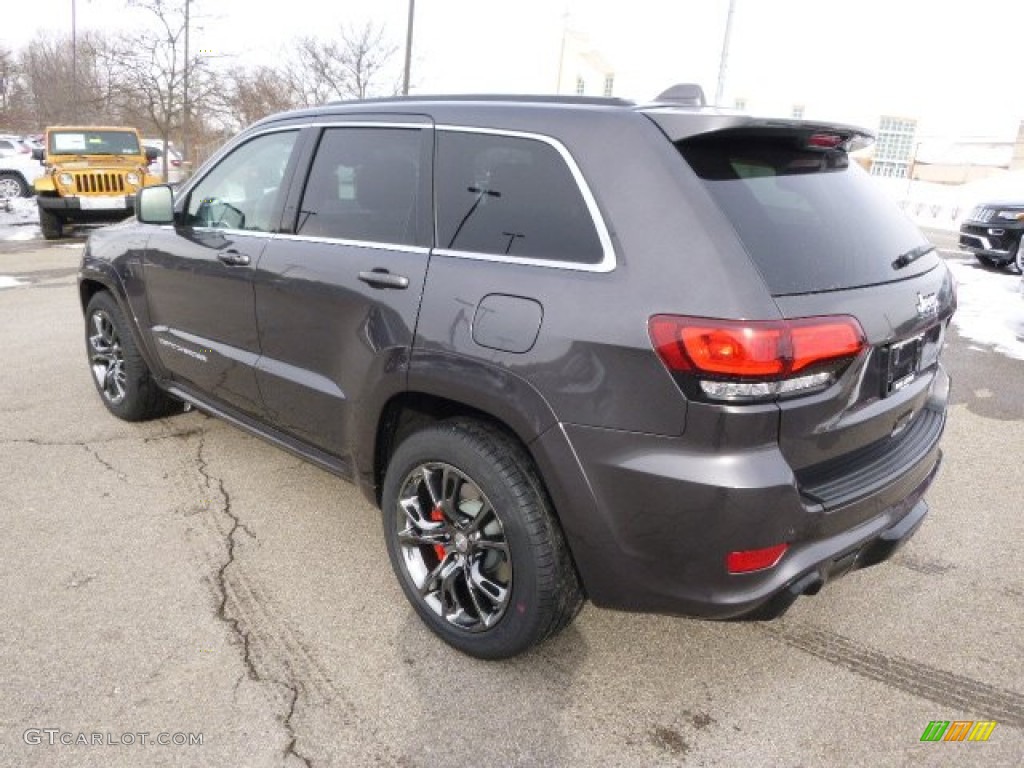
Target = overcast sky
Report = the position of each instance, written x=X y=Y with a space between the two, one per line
x=953 y=64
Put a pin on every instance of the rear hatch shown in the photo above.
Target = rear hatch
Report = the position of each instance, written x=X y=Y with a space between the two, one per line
x=829 y=245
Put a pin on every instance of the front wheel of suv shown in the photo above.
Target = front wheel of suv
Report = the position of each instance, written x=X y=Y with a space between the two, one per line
x=51 y=224
x=119 y=371
x=474 y=542
x=1019 y=259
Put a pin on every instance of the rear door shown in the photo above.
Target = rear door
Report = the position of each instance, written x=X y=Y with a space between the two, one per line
x=827 y=242
x=337 y=298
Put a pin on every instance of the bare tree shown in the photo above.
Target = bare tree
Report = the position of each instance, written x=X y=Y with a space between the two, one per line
x=151 y=70
x=349 y=67
x=52 y=95
x=14 y=101
x=246 y=95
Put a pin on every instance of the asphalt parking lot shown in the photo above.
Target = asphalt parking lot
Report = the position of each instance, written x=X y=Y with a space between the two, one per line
x=183 y=580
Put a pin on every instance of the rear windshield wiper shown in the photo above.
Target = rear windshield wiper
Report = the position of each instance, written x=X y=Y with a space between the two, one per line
x=912 y=255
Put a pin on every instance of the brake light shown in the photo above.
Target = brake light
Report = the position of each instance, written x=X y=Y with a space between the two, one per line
x=825 y=140
x=175 y=163
x=756 y=359
x=748 y=560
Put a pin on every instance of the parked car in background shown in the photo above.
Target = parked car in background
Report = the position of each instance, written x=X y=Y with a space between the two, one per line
x=18 y=168
x=175 y=166
x=658 y=356
x=92 y=174
x=13 y=145
x=992 y=232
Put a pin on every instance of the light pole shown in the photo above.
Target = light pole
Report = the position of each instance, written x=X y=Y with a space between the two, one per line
x=74 y=62
x=184 y=97
x=408 y=48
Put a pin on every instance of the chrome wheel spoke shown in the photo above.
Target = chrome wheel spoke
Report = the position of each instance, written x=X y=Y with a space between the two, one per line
x=411 y=537
x=493 y=546
x=106 y=358
x=495 y=592
x=453 y=547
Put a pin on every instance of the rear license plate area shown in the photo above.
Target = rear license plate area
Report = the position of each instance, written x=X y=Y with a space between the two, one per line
x=905 y=359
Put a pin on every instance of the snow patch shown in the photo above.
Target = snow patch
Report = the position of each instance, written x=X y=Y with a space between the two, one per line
x=21 y=222
x=991 y=307
x=10 y=282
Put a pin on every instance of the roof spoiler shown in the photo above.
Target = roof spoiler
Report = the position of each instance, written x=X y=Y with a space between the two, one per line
x=684 y=94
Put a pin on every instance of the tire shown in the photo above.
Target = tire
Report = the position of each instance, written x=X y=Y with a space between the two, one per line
x=51 y=224
x=1018 y=260
x=119 y=372
x=13 y=185
x=490 y=575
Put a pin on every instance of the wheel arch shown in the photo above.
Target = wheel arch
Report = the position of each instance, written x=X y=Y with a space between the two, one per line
x=407 y=410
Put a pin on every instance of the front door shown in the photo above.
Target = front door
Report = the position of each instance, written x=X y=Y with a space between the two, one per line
x=199 y=273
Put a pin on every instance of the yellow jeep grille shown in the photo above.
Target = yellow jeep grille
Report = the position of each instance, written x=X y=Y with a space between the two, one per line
x=99 y=183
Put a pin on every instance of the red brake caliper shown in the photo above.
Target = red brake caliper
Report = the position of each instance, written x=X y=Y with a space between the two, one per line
x=437 y=516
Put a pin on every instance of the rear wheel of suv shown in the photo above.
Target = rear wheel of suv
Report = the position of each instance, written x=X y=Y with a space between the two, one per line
x=473 y=540
x=119 y=372
x=12 y=185
x=51 y=224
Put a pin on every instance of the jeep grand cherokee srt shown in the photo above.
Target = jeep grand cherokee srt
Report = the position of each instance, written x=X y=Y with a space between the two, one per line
x=657 y=356
x=993 y=233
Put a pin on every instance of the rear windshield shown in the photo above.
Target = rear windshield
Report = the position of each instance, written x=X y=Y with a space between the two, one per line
x=93 y=143
x=809 y=218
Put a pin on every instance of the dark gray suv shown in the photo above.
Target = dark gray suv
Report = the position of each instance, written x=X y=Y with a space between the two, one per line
x=658 y=356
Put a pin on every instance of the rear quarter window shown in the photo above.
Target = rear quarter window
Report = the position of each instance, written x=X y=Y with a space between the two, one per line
x=510 y=196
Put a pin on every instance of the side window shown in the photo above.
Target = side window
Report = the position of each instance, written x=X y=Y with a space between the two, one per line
x=242 y=189
x=511 y=196
x=367 y=184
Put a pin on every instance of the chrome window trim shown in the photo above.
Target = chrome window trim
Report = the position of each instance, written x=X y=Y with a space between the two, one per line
x=405 y=248
x=608 y=260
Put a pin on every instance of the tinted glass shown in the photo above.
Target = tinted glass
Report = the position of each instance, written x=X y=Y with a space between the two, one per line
x=367 y=184
x=809 y=218
x=242 y=189
x=94 y=143
x=510 y=196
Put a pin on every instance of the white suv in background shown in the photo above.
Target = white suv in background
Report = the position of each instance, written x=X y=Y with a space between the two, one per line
x=176 y=168
x=17 y=168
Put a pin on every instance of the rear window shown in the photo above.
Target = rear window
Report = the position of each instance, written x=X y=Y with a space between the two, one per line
x=809 y=218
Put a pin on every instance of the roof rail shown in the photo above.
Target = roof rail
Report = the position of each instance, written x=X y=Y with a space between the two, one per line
x=685 y=94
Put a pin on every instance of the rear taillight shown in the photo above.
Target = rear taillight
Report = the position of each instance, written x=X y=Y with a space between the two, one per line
x=756 y=359
x=176 y=163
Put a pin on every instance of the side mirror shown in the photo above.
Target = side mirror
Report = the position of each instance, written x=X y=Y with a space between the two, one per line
x=38 y=153
x=155 y=205
x=152 y=153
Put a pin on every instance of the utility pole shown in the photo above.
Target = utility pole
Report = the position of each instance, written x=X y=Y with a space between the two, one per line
x=74 y=62
x=408 y=48
x=184 y=98
x=723 y=62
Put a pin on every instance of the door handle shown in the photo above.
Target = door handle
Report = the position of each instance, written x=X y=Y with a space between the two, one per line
x=233 y=258
x=381 y=278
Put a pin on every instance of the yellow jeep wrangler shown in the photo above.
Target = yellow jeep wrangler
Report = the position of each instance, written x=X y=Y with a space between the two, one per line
x=92 y=175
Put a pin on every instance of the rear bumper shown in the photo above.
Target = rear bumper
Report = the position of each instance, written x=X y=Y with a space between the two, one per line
x=650 y=521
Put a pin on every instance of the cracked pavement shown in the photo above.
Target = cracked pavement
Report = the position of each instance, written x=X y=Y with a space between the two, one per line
x=180 y=576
